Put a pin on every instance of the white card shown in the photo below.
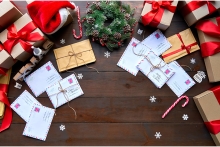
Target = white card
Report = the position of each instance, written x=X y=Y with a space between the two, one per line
x=70 y=85
x=129 y=60
x=39 y=122
x=23 y=105
x=42 y=78
x=180 y=82
x=155 y=69
x=157 y=42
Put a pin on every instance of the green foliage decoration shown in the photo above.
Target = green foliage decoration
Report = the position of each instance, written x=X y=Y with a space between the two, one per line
x=113 y=35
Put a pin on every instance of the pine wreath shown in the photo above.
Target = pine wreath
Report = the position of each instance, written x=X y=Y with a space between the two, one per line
x=121 y=27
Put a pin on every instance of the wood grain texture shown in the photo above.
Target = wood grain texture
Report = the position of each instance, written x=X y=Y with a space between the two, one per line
x=115 y=109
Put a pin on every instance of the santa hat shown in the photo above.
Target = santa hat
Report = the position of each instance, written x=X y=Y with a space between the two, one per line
x=49 y=16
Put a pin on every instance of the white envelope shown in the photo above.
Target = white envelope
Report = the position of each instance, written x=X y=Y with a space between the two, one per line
x=155 y=69
x=157 y=42
x=39 y=122
x=180 y=82
x=24 y=104
x=129 y=60
x=71 y=90
x=42 y=78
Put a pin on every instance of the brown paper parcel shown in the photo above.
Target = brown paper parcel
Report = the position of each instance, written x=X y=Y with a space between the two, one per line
x=211 y=62
x=6 y=61
x=4 y=80
x=74 y=55
x=18 y=52
x=197 y=14
x=8 y=14
x=187 y=38
x=166 y=18
x=209 y=109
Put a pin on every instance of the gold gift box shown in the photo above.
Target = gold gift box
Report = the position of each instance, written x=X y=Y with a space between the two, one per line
x=172 y=53
x=74 y=55
x=4 y=80
x=211 y=62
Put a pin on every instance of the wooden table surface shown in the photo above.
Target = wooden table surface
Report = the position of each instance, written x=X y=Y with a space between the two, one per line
x=115 y=109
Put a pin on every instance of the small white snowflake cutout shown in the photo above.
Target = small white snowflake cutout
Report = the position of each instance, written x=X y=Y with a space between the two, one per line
x=152 y=99
x=140 y=31
x=18 y=85
x=62 y=41
x=185 y=117
x=107 y=54
x=192 y=61
x=62 y=127
x=157 y=135
x=80 y=76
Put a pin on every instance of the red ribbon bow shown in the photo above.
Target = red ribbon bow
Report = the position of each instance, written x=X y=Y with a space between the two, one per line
x=193 y=5
x=183 y=47
x=209 y=28
x=155 y=15
x=6 y=122
x=214 y=126
x=22 y=37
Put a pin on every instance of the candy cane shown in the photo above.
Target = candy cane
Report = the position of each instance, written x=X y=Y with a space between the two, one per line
x=174 y=104
x=80 y=26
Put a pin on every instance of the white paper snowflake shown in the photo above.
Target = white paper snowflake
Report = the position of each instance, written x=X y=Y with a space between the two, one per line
x=157 y=135
x=80 y=76
x=62 y=41
x=185 y=117
x=140 y=31
x=152 y=99
x=107 y=54
x=62 y=127
x=192 y=61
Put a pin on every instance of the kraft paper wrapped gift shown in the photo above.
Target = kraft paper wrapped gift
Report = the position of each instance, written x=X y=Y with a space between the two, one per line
x=74 y=55
x=208 y=104
x=8 y=14
x=182 y=43
x=192 y=11
x=4 y=82
x=17 y=50
x=210 y=44
x=160 y=19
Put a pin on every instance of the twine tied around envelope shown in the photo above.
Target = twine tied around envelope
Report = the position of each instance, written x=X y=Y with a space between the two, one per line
x=77 y=56
x=158 y=66
x=61 y=90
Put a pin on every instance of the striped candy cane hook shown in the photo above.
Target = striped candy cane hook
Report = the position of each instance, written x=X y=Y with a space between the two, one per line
x=80 y=26
x=174 y=104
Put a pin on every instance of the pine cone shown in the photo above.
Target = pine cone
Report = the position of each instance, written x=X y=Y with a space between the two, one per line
x=105 y=37
x=117 y=36
x=127 y=28
x=122 y=10
x=97 y=4
x=95 y=33
x=90 y=20
x=127 y=16
x=89 y=11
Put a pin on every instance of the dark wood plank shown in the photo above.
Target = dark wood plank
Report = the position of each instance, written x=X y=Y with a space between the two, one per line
x=121 y=110
x=132 y=134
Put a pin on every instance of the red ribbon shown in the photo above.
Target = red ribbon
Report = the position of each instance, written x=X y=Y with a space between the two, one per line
x=21 y=36
x=6 y=122
x=3 y=71
x=155 y=15
x=193 y=5
x=209 y=28
x=214 y=126
x=183 y=47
